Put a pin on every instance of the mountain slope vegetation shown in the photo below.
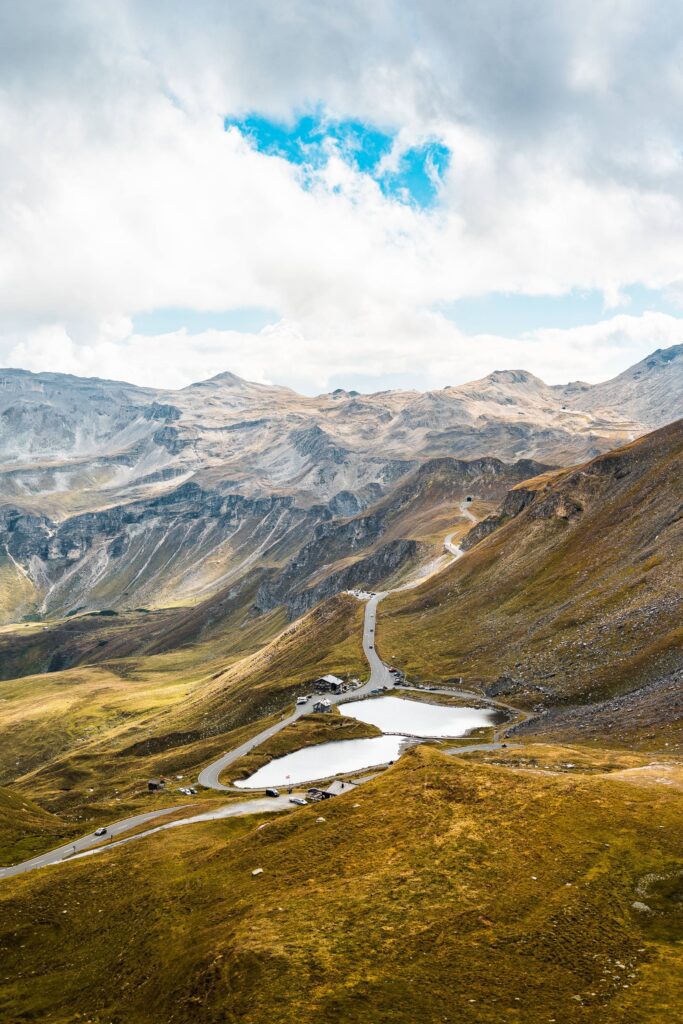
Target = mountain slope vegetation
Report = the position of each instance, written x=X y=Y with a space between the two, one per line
x=575 y=595
x=442 y=890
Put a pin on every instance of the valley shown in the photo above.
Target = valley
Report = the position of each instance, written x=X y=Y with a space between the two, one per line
x=513 y=848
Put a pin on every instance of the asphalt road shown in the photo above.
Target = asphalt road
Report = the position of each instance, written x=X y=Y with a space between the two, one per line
x=91 y=844
x=84 y=843
x=380 y=676
x=455 y=549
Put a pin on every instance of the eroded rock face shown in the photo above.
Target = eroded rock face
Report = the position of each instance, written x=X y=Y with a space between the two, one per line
x=556 y=506
x=438 y=480
x=368 y=572
x=187 y=542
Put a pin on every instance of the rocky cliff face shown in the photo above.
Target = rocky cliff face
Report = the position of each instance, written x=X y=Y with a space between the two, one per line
x=438 y=483
x=187 y=543
x=650 y=393
x=367 y=573
x=179 y=546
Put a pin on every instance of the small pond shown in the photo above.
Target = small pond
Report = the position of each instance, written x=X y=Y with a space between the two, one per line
x=415 y=718
x=323 y=761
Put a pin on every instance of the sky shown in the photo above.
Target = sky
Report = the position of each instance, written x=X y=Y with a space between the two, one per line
x=407 y=193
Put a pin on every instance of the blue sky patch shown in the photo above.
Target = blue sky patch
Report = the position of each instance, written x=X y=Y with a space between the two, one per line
x=309 y=141
x=195 y=321
x=511 y=315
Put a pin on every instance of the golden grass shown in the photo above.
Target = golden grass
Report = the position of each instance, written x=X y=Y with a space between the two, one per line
x=26 y=829
x=86 y=740
x=443 y=890
x=587 y=608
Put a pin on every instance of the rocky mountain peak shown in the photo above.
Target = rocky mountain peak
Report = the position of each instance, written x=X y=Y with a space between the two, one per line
x=523 y=377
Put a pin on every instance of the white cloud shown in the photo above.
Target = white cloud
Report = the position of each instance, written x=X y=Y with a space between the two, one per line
x=120 y=192
x=383 y=350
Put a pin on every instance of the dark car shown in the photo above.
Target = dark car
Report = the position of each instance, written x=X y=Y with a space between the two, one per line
x=272 y=792
x=100 y=831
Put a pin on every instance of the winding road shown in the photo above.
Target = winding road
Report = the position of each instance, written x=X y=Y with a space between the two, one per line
x=84 y=843
x=209 y=777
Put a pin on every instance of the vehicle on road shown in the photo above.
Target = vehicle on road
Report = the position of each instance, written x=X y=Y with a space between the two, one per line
x=101 y=831
x=302 y=700
x=272 y=792
x=298 y=800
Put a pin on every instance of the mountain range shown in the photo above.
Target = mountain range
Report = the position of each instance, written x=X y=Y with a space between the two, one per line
x=181 y=595
x=115 y=496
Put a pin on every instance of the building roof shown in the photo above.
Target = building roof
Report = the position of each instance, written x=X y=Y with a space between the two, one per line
x=339 y=786
x=331 y=679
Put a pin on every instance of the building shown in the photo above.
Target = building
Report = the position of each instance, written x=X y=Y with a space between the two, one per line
x=329 y=684
x=335 y=788
x=338 y=786
x=322 y=705
x=314 y=795
x=154 y=785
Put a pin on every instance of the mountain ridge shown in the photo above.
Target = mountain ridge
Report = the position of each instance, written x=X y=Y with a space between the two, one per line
x=106 y=486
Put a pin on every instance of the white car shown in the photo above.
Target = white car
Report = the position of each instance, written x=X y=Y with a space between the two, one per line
x=302 y=700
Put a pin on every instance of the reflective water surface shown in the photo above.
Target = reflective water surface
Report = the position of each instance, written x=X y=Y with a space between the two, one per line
x=323 y=761
x=414 y=718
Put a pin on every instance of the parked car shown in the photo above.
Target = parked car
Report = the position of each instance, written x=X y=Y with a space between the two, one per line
x=192 y=792
x=272 y=792
x=298 y=800
x=101 y=831
x=301 y=700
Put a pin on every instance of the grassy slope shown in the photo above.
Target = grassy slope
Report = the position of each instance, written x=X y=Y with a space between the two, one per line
x=95 y=735
x=16 y=591
x=26 y=829
x=441 y=891
x=223 y=626
x=587 y=607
